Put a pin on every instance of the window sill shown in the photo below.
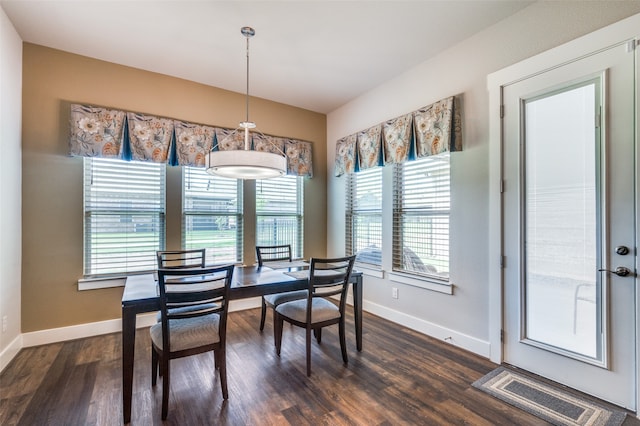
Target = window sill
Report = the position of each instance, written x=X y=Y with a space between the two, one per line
x=98 y=283
x=425 y=283
x=369 y=271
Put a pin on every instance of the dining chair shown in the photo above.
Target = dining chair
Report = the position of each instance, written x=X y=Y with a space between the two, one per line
x=328 y=279
x=276 y=253
x=193 y=308
x=178 y=259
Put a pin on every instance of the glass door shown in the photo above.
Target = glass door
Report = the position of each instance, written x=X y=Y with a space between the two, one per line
x=569 y=225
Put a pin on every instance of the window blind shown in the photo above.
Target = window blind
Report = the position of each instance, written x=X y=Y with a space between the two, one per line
x=421 y=217
x=279 y=213
x=212 y=215
x=364 y=216
x=124 y=216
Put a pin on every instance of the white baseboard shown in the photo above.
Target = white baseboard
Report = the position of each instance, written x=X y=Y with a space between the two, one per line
x=472 y=344
x=10 y=352
x=61 y=334
x=80 y=331
x=243 y=304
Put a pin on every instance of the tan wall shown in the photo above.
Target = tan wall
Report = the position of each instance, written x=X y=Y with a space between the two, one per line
x=52 y=181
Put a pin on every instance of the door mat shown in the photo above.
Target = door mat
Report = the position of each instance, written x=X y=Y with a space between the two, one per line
x=545 y=401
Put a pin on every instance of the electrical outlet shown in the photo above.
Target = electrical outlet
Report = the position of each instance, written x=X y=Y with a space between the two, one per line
x=394 y=292
x=5 y=320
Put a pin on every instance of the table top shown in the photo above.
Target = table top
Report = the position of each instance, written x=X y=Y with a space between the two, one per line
x=247 y=281
x=142 y=292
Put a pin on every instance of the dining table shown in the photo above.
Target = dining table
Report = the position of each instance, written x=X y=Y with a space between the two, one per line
x=141 y=295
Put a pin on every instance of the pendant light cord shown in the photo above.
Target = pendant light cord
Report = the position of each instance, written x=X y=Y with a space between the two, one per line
x=247 y=120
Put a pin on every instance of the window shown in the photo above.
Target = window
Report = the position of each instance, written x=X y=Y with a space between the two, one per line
x=421 y=217
x=212 y=215
x=124 y=216
x=364 y=216
x=279 y=212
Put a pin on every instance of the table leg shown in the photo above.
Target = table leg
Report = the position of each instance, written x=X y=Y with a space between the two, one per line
x=357 y=310
x=128 y=347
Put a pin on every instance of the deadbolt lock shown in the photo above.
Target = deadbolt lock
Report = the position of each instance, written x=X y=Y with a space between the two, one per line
x=622 y=250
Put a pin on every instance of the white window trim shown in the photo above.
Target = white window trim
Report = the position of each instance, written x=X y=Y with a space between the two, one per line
x=98 y=283
x=422 y=282
x=369 y=270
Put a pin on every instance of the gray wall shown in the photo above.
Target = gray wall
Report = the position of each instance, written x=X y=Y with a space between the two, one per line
x=10 y=187
x=461 y=318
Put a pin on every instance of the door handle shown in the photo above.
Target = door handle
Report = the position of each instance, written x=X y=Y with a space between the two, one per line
x=620 y=271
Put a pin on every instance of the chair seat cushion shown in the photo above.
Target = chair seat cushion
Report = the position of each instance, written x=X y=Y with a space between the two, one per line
x=321 y=310
x=188 y=333
x=280 y=298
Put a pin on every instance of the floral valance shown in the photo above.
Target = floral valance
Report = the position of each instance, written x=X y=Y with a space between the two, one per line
x=193 y=142
x=149 y=138
x=103 y=132
x=369 y=145
x=96 y=132
x=346 y=155
x=431 y=130
x=298 y=157
x=228 y=140
x=268 y=143
x=396 y=135
x=437 y=129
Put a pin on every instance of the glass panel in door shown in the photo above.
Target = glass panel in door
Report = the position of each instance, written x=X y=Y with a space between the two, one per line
x=562 y=306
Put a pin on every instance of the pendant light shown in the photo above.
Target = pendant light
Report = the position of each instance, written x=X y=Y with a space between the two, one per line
x=246 y=163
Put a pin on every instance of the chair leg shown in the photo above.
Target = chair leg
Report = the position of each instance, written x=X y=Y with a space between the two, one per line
x=165 y=386
x=278 y=324
x=222 y=365
x=308 y=352
x=343 y=341
x=263 y=314
x=154 y=366
x=317 y=332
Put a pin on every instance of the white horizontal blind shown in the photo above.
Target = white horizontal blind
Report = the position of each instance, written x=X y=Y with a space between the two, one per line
x=212 y=215
x=421 y=217
x=364 y=216
x=279 y=213
x=124 y=216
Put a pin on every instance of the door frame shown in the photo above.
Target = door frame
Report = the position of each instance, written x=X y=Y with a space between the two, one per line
x=617 y=33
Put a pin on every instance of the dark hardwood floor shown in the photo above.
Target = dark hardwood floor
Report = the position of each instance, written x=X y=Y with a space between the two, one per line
x=400 y=378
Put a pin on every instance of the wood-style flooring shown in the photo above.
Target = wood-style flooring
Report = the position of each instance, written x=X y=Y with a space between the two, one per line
x=400 y=378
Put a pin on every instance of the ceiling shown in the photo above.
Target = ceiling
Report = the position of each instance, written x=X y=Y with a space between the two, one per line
x=316 y=55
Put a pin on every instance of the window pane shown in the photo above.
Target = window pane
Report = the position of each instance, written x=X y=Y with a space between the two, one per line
x=279 y=212
x=421 y=217
x=212 y=215
x=124 y=216
x=562 y=299
x=364 y=216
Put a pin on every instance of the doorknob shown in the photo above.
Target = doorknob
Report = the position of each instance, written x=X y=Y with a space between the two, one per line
x=620 y=271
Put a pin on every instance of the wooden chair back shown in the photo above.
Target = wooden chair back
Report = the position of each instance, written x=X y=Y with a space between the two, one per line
x=197 y=292
x=330 y=277
x=273 y=253
x=181 y=259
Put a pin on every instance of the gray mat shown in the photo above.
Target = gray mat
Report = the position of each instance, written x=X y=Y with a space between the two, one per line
x=547 y=402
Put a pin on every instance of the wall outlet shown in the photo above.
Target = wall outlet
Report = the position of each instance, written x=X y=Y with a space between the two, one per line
x=5 y=321
x=394 y=292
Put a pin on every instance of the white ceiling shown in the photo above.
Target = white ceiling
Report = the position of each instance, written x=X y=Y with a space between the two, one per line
x=316 y=55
